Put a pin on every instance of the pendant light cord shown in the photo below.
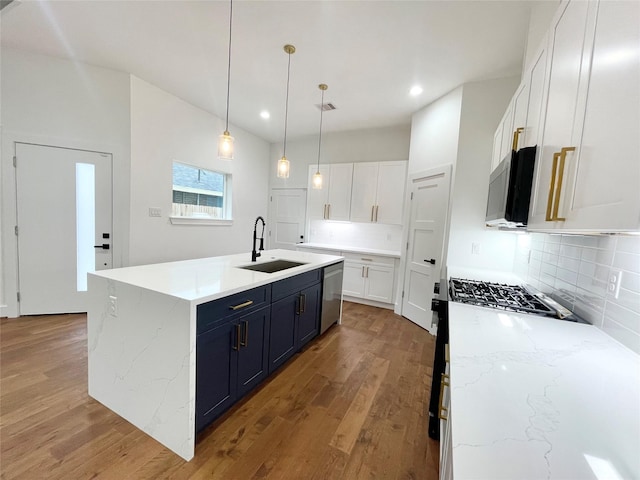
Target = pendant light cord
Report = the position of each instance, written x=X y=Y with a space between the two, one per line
x=320 y=135
x=229 y=64
x=286 y=109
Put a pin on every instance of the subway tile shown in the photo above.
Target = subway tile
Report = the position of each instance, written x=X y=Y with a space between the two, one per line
x=625 y=317
x=553 y=238
x=567 y=263
x=570 y=251
x=592 y=285
x=536 y=255
x=550 y=258
x=627 y=261
x=567 y=276
x=548 y=269
x=631 y=281
x=597 y=255
x=552 y=248
x=577 y=240
x=625 y=336
x=626 y=299
x=628 y=244
x=545 y=285
x=598 y=272
x=589 y=306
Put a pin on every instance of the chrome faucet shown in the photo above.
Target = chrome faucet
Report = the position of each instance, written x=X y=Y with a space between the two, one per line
x=254 y=254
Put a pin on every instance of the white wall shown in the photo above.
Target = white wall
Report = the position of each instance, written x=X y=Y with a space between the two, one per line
x=52 y=101
x=164 y=129
x=369 y=145
x=434 y=133
x=483 y=104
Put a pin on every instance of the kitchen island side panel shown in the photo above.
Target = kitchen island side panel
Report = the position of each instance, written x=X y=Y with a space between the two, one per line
x=141 y=360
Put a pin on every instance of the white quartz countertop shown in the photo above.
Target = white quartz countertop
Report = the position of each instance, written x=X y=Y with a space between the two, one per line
x=540 y=398
x=351 y=249
x=204 y=279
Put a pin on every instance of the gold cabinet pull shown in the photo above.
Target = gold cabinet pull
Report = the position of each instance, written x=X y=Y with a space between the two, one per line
x=446 y=352
x=245 y=340
x=372 y=209
x=237 y=343
x=552 y=186
x=377 y=213
x=303 y=302
x=555 y=191
x=516 y=136
x=367 y=276
x=328 y=211
x=563 y=156
x=441 y=409
x=242 y=305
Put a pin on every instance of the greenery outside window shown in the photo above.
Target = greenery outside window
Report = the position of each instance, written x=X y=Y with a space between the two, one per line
x=200 y=195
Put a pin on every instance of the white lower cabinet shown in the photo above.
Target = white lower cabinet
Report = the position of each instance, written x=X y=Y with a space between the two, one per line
x=369 y=277
x=446 y=442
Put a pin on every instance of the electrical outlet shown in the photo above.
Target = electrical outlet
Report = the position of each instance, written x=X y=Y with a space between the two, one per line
x=475 y=248
x=113 y=306
x=615 y=279
x=155 y=212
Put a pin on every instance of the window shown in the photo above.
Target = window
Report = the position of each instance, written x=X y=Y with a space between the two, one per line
x=200 y=195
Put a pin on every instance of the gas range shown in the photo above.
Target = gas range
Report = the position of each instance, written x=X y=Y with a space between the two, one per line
x=514 y=298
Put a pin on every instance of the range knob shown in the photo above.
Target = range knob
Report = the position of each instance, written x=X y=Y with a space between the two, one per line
x=436 y=288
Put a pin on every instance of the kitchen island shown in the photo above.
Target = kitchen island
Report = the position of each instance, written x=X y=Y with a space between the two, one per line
x=142 y=328
x=535 y=397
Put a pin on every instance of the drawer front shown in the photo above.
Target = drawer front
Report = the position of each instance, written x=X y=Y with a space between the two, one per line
x=214 y=313
x=366 y=259
x=291 y=285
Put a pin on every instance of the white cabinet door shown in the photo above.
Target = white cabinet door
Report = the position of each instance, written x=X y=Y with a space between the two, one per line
x=364 y=192
x=497 y=145
x=339 y=185
x=392 y=177
x=377 y=195
x=353 y=279
x=379 y=283
x=606 y=182
x=566 y=48
x=317 y=198
x=536 y=79
x=507 y=130
x=520 y=106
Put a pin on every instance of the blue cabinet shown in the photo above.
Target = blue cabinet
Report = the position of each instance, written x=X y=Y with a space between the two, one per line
x=244 y=337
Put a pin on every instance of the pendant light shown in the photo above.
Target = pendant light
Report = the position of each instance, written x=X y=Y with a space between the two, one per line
x=317 y=177
x=283 y=163
x=225 y=141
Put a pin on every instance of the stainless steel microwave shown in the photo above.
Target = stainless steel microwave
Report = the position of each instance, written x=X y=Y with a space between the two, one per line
x=510 y=189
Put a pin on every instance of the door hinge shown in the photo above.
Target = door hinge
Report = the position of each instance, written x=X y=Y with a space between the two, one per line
x=16 y=230
x=411 y=195
x=402 y=293
x=18 y=295
x=15 y=161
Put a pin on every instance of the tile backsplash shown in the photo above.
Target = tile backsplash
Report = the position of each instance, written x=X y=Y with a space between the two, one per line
x=598 y=277
x=366 y=235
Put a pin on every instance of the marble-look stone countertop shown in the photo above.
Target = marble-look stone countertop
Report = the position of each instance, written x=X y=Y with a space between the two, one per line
x=350 y=249
x=204 y=279
x=540 y=398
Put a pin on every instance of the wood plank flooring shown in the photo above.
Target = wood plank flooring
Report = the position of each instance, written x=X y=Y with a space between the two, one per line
x=352 y=405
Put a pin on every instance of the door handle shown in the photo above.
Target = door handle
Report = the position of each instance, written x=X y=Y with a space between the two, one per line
x=245 y=341
x=237 y=342
x=104 y=246
x=432 y=261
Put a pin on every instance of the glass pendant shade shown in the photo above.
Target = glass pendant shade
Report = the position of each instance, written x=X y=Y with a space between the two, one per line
x=283 y=168
x=317 y=180
x=225 y=146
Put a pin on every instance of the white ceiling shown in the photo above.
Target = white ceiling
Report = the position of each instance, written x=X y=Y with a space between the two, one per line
x=370 y=53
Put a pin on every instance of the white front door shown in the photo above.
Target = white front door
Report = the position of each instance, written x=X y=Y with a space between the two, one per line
x=428 y=214
x=64 y=207
x=286 y=217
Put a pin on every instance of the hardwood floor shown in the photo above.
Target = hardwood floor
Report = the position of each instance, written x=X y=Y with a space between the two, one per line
x=352 y=405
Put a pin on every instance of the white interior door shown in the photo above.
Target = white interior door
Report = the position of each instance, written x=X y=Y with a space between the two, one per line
x=286 y=217
x=64 y=200
x=428 y=214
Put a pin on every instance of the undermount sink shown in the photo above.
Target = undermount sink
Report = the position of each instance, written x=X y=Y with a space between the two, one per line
x=273 y=266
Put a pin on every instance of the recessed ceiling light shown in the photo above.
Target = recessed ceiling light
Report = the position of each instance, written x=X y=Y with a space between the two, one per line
x=415 y=90
x=264 y=114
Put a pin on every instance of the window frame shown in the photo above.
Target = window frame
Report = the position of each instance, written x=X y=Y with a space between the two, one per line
x=205 y=220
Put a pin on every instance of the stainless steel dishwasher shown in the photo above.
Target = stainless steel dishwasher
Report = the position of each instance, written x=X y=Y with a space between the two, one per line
x=331 y=296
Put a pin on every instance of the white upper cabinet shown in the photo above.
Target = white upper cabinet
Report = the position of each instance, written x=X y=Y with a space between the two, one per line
x=377 y=194
x=333 y=200
x=587 y=168
x=536 y=80
x=520 y=106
